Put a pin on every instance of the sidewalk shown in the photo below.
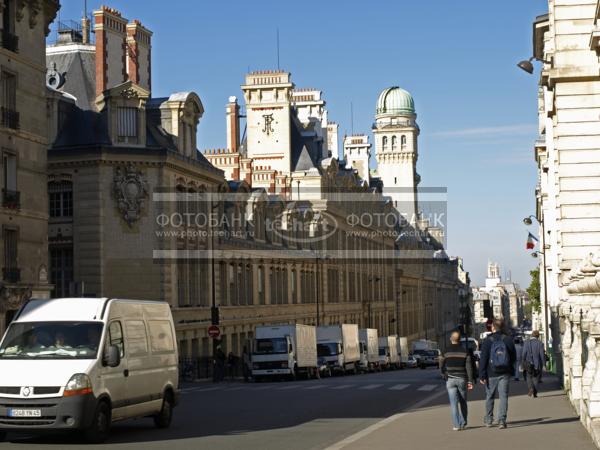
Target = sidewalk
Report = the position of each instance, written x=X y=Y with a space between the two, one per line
x=547 y=423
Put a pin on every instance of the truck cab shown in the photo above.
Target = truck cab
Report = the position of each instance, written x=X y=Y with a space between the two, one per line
x=273 y=356
x=330 y=353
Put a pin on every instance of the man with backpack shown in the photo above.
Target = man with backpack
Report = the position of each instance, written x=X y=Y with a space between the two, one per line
x=496 y=367
x=533 y=361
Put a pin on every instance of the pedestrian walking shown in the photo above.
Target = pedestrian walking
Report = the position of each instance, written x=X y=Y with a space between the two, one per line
x=231 y=365
x=219 y=366
x=457 y=369
x=246 y=364
x=533 y=361
x=496 y=368
x=519 y=350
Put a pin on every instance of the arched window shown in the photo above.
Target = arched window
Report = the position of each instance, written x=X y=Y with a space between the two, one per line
x=403 y=141
x=394 y=142
x=384 y=143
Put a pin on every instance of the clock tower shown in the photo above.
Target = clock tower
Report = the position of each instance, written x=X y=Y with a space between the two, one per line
x=267 y=96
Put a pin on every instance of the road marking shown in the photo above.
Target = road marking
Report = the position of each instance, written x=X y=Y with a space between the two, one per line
x=262 y=388
x=343 y=386
x=371 y=386
x=382 y=423
x=208 y=389
x=399 y=387
x=316 y=386
x=239 y=388
x=427 y=387
x=285 y=388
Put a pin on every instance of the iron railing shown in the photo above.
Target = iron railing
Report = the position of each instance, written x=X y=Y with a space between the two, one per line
x=11 y=199
x=11 y=274
x=10 y=41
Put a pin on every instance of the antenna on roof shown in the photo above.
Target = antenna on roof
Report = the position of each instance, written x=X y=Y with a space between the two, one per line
x=277 y=48
x=351 y=118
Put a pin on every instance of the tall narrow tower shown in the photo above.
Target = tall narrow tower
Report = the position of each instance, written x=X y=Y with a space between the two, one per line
x=357 y=152
x=395 y=132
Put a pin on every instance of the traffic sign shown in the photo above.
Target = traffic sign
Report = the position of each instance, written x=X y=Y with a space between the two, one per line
x=214 y=331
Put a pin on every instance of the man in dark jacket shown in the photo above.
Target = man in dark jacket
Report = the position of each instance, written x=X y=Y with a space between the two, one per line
x=496 y=366
x=457 y=370
x=533 y=361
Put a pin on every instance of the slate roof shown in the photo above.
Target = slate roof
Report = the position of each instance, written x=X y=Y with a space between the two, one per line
x=305 y=150
x=79 y=71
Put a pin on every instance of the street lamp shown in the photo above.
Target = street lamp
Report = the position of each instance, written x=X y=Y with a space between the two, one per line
x=527 y=66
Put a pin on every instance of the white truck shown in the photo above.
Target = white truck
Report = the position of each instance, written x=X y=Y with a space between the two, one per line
x=403 y=351
x=284 y=350
x=388 y=352
x=426 y=352
x=338 y=347
x=369 y=348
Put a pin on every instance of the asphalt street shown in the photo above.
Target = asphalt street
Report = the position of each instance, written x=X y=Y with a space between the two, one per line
x=308 y=414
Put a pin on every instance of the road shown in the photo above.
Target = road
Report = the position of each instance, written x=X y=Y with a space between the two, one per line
x=312 y=414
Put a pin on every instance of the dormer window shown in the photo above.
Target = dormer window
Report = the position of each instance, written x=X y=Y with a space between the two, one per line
x=127 y=124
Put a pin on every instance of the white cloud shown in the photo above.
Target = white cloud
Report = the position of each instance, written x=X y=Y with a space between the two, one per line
x=482 y=132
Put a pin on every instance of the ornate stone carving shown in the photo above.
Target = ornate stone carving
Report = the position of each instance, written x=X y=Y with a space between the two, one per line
x=12 y=298
x=35 y=7
x=130 y=192
x=20 y=6
x=129 y=93
x=51 y=8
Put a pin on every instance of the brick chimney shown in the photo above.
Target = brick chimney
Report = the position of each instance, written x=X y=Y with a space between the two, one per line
x=139 y=50
x=110 y=29
x=232 y=116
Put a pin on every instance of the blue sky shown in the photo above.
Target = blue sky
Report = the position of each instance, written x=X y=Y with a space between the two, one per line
x=476 y=109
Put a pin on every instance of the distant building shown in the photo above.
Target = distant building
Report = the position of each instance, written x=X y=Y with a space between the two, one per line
x=357 y=154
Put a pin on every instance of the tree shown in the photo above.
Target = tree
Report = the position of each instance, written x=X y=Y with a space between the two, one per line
x=534 y=291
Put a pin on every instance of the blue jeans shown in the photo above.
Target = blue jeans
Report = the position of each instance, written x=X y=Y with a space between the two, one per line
x=457 y=392
x=496 y=384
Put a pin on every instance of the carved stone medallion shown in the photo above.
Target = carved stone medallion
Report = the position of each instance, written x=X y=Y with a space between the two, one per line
x=130 y=192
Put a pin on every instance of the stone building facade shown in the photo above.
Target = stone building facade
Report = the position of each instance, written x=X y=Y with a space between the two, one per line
x=23 y=145
x=280 y=243
x=567 y=152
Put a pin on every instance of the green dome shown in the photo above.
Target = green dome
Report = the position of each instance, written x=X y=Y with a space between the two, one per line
x=395 y=101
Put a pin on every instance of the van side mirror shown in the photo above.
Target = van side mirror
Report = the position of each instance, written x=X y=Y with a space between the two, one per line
x=112 y=358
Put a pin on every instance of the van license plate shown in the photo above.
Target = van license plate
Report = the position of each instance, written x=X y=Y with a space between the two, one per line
x=24 y=413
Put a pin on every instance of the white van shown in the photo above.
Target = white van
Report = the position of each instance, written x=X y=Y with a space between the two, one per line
x=82 y=363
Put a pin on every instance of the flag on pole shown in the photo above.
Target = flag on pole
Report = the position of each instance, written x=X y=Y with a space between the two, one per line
x=531 y=240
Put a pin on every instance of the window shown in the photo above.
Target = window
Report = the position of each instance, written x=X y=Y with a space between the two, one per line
x=403 y=141
x=9 y=40
x=394 y=140
x=10 y=195
x=161 y=337
x=10 y=272
x=61 y=270
x=137 y=343
x=115 y=336
x=61 y=199
x=9 y=117
x=127 y=124
x=384 y=143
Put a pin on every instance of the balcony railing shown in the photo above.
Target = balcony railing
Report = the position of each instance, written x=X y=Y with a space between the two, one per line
x=9 y=118
x=11 y=275
x=10 y=41
x=11 y=199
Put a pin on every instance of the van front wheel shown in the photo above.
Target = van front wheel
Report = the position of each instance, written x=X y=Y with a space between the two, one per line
x=2 y=436
x=98 y=431
x=164 y=417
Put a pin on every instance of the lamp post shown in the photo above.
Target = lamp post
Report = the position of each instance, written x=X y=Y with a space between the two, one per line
x=528 y=221
x=527 y=66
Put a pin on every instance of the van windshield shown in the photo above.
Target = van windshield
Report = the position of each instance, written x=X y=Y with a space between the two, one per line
x=270 y=346
x=328 y=349
x=51 y=340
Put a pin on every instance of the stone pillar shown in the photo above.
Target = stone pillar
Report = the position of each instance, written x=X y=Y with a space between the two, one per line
x=566 y=342
x=587 y=378
x=593 y=401
x=576 y=369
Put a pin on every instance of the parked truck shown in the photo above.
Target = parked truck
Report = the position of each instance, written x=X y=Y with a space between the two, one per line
x=338 y=347
x=426 y=352
x=284 y=350
x=388 y=352
x=403 y=351
x=369 y=349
